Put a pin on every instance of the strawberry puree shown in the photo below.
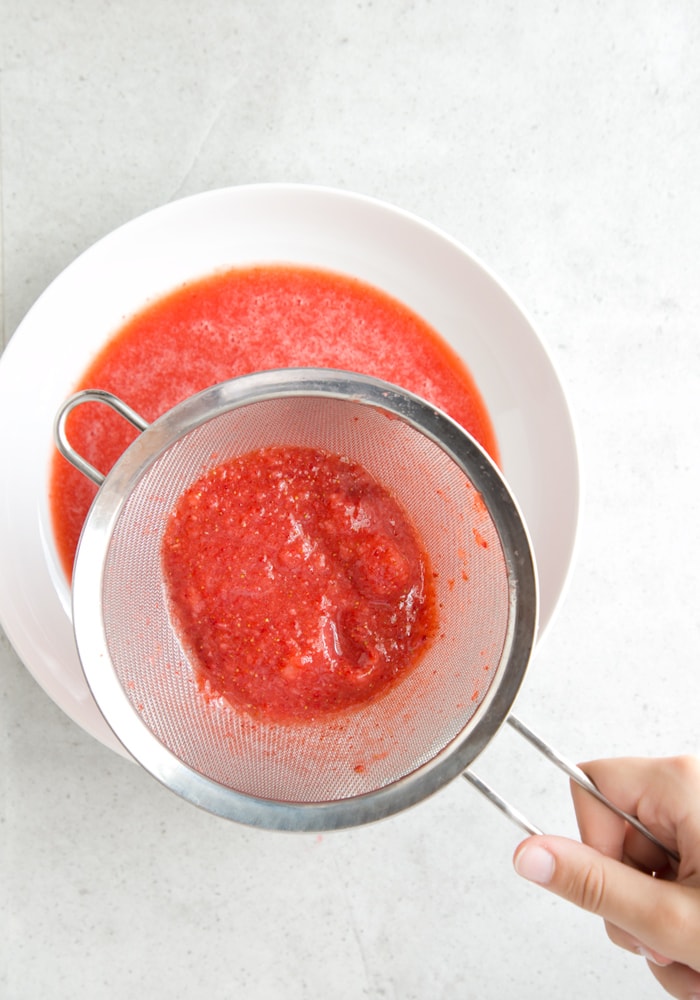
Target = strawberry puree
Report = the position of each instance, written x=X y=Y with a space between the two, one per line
x=246 y=320
x=299 y=584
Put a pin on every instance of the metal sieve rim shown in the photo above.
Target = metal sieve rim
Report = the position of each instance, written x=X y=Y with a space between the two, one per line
x=125 y=721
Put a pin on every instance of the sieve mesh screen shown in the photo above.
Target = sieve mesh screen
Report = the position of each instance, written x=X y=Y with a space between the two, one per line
x=334 y=757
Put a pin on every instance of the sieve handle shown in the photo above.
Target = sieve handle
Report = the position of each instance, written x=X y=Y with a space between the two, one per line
x=90 y=396
x=574 y=772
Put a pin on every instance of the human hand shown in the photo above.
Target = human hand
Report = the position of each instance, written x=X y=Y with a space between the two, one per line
x=650 y=904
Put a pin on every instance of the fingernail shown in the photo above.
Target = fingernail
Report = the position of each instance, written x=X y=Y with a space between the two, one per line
x=655 y=958
x=535 y=864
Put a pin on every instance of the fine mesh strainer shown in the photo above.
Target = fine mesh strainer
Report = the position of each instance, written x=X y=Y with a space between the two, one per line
x=340 y=770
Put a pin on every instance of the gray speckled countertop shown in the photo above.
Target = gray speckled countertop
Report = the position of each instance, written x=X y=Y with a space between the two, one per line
x=559 y=142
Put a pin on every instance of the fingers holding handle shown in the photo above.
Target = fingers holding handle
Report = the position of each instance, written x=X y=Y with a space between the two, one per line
x=609 y=874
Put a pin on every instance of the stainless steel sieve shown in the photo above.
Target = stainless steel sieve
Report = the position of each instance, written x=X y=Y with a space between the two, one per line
x=338 y=771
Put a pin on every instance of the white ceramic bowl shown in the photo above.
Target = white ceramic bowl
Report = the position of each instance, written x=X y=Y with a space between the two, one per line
x=274 y=223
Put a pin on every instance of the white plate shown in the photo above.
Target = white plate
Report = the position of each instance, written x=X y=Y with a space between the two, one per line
x=385 y=246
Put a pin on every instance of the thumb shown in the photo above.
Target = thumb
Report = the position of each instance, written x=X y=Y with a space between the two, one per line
x=576 y=872
x=656 y=912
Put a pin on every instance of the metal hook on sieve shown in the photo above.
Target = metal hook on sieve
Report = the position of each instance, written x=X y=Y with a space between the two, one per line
x=90 y=396
x=574 y=772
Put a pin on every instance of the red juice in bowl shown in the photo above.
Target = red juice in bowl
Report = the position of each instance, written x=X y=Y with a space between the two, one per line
x=240 y=321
